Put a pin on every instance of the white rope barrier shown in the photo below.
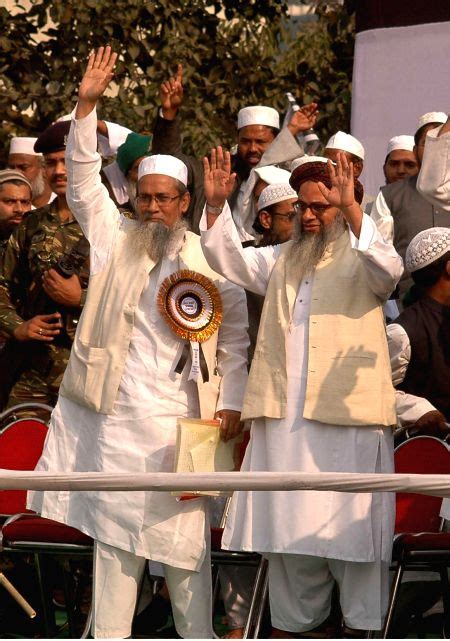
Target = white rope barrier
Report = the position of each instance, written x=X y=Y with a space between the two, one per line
x=432 y=484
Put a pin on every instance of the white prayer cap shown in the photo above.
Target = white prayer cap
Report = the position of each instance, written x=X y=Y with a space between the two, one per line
x=346 y=142
x=165 y=165
x=258 y=115
x=23 y=145
x=275 y=193
x=271 y=174
x=431 y=117
x=426 y=247
x=405 y=143
x=298 y=162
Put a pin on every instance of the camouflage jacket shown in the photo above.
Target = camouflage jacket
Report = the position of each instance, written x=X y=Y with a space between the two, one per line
x=33 y=248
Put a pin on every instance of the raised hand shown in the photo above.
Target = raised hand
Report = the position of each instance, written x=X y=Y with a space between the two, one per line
x=98 y=74
x=219 y=179
x=171 y=94
x=304 y=119
x=342 y=192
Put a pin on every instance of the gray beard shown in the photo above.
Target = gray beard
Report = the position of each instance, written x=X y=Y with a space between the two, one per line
x=307 y=249
x=38 y=185
x=156 y=239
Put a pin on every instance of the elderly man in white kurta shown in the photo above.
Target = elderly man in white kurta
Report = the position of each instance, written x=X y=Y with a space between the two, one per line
x=121 y=393
x=320 y=395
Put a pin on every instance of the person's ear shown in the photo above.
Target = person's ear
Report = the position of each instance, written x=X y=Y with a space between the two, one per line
x=184 y=201
x=265 y=219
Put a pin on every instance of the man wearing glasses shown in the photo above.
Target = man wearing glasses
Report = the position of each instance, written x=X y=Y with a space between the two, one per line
x=126 y=382
x=320 y=396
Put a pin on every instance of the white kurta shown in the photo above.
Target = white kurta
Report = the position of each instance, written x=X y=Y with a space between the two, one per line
x=139 y=435
x=352 y=527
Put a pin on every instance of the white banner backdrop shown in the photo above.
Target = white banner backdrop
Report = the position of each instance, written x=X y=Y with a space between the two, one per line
x=399 y=74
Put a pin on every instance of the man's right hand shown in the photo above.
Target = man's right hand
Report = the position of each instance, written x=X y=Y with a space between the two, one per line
x=98 y=74
x=171 y=95
x=432 y=423
x=43 y=327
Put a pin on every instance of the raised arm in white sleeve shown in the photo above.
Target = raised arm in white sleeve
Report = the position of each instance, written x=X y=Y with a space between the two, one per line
x=409 y=407
x=248 y=267
x=232 y=347
x=382 y=217
x=433 y=181
x=383 y=265
x=86 y=196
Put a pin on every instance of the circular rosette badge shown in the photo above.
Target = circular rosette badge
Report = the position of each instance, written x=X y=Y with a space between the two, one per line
x=191 y=305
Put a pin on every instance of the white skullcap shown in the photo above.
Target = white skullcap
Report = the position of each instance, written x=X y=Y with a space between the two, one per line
x=23 y=145
x=298 y=162
x=426 y=247
x=275 y=193
x=400 y=142
x=165 y=165
x=258 y=115
x=431 y=117
x=346 y=142
x=271 y=174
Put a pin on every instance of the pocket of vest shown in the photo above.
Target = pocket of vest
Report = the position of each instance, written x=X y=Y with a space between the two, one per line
x=85 y=375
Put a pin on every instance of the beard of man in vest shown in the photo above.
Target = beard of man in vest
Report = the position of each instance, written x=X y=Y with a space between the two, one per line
x=308 y=248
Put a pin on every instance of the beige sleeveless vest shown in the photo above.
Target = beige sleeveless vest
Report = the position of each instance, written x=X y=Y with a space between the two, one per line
x=349 y=374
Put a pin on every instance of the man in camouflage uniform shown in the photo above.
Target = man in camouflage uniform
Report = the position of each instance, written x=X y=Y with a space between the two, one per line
x=39 y=306
x=15 y=200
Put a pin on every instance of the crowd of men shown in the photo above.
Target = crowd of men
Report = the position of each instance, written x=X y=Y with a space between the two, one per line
x=94 y=220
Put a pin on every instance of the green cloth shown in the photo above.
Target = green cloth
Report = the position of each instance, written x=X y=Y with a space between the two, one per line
x=134 y=147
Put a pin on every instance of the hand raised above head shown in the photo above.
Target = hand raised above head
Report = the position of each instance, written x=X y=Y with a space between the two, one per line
x=171 y=94
x=304 y=119
x=342 y=192
x=98 y=74
x=219 y=179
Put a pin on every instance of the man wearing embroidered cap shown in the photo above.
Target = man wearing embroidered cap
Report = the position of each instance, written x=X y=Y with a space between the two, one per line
x=319 y=393
x=40 y=303
x=419 y=340
x=400 y=211
x=401 y=160
x=130 y=376
x=15 y=200
x=22 y=157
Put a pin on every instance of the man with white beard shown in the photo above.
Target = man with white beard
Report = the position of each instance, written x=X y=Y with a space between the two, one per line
x=23 y=158
x=131 y=374
x=319 y=394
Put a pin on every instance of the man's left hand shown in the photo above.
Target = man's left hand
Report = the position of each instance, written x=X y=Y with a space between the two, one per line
x=65 y=291
x=231 y=425
x=303 y=119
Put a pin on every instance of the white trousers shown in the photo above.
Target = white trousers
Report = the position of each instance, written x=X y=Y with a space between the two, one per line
x=300 y=590
x=117 y=577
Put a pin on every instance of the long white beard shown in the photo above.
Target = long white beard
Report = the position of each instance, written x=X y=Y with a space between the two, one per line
x=309 y=248
x=157 y=240
x=38 y=185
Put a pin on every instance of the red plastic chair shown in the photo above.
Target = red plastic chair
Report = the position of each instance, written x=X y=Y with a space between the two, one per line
x=419 y=543
x=23 y=531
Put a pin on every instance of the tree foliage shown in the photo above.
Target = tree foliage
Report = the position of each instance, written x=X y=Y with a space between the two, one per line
x=234 y=53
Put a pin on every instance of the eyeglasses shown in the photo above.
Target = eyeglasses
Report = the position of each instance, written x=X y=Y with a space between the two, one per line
x=162 y=200
x=316 y=208
x=289 y=216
